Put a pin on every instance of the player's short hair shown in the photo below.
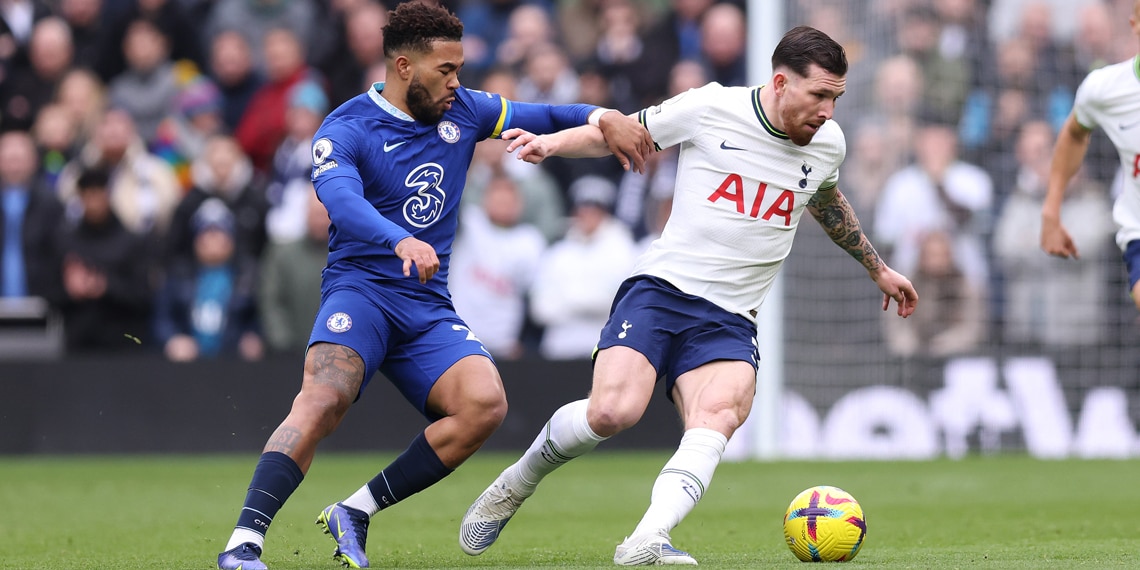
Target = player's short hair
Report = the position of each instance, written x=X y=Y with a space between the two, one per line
x=803 y=46
x=413 y=26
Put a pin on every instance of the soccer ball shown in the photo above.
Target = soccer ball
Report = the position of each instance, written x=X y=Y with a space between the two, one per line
x=824 y=524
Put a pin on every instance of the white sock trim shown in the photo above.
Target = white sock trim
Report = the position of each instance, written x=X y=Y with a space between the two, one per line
x=362 y=500
x=243 y=535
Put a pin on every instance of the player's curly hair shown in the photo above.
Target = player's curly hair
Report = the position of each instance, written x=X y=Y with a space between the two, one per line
x=803 y=46
x=413 y=26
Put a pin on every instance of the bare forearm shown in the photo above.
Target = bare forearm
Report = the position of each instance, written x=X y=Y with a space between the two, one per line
x=1072 y=145
x=834 y=213
x=585 y=141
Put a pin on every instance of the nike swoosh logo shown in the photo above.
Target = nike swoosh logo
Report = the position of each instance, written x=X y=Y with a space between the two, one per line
x=340 y=532
x=724 y=146
x=1125 y=127
x=390 y=146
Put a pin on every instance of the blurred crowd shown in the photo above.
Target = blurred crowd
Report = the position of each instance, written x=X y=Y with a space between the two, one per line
x=155 y=159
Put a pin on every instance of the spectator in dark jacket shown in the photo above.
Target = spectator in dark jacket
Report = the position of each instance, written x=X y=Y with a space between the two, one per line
x=108 y=297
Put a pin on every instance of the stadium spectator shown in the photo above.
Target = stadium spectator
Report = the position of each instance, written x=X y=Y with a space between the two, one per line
x=207 y=307
x=17 y=18
x=894 y=107
x=105 y=274
x=289 y=292
x=363 y=47
x=619 y=54
x=578 y=275
x=181 y=136
x=29 y=217
x=687 y=313
x=1050 y=302
x=723 y=35
x=176 y=20
x=84 y=96
x=547 y=76
x=147 y=88
x=542 y=204
x=97 y=48
x=257 y=20
x=25 y=90
x=996 y=109
x=937 y=191
x=954 y=316
x=289 y=185
x=224 y=173
x=946 y=75
x=674 y=36
x=494 y=260
x=1106 y=99
x=381 y=309
x=262 y=126
x=56 y=139
x=231 y=68
x=144 y=190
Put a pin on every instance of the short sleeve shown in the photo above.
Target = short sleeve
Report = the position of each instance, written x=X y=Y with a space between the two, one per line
x=678 y=119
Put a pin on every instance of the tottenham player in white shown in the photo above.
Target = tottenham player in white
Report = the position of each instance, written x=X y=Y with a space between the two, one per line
x=1108 y=98
x=752 y=160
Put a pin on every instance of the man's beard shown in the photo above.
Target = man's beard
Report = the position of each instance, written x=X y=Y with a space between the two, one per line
x=420 y=103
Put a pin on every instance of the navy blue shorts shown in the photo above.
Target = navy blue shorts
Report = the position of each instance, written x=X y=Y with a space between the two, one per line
x=1132 y=262
x=676 y=331
x=412 y=341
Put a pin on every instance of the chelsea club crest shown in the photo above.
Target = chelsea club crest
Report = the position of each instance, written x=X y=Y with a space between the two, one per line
x=339 y=322
x=448 y=131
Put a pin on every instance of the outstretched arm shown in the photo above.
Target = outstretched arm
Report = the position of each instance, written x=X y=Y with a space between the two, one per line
x=832 y=210
x=1072 y=144
x=616 y=134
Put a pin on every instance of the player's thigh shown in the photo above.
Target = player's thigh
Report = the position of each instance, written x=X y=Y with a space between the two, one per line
x=717 y=395
x=622 y=386
x=416 y=366
x=351 y=319
x=470 y=386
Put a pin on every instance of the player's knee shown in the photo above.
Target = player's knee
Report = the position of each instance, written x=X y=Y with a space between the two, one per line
x=607 y=419
x=325 y=407
x=486 y=414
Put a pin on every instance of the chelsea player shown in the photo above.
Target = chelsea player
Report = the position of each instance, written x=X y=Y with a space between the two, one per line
x=389 y=165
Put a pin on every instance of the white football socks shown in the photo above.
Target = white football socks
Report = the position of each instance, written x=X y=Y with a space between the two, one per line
x=567 y=435
x=683 y=480
x=244 y=535
x=362 y=500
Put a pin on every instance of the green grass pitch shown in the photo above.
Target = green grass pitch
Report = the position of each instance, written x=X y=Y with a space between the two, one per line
x=176 y=512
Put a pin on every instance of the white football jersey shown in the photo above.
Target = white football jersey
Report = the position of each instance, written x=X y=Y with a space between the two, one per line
x=741 y=188
x=1109 y=98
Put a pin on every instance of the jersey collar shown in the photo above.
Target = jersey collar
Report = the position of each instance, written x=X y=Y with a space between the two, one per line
x=764 y=122
x=374 y=94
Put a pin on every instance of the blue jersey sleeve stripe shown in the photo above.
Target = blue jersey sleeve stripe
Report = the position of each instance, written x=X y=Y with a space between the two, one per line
x=504 y=118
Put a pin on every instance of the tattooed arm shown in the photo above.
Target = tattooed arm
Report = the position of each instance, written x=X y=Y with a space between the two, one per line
x=832 y=210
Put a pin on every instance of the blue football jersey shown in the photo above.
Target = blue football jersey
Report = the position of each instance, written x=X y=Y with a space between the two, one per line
x=411 y=173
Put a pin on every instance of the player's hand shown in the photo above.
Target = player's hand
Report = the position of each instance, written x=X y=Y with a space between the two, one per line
x=627 y=138
x=414 y=251
x=1055 y=240
x=895 y=286
x=531 y=147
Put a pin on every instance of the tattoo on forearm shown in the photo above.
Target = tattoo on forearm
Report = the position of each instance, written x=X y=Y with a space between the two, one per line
x=838 y=219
